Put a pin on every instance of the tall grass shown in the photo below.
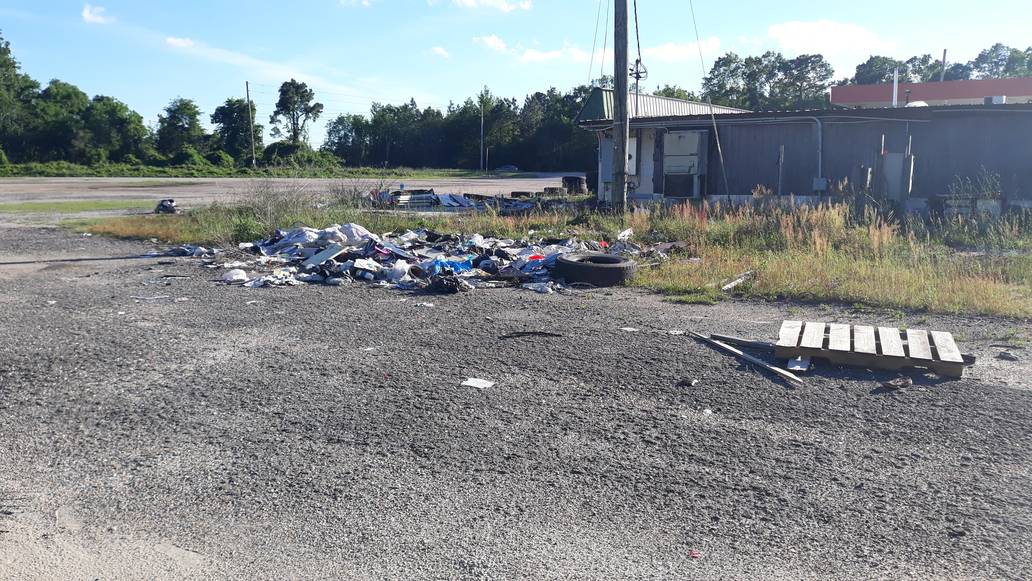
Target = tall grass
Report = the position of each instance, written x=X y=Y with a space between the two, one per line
x=831 y=252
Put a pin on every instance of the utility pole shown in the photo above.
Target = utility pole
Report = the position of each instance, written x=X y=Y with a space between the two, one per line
x=250 y=120
x=942 y=74
x=481 y=133
x=621 y=98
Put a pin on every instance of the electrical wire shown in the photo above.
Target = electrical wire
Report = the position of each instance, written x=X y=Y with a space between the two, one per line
x=605 y=46
x=594 y=42
x=709 y=100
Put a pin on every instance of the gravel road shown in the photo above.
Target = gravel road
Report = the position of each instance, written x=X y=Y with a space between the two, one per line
x=316 y=433
x=192 y=192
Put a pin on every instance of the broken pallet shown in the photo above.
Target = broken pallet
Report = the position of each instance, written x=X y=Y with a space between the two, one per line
x=874 y=348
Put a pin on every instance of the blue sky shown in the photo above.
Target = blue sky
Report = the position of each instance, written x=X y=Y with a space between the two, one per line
x=353 y=52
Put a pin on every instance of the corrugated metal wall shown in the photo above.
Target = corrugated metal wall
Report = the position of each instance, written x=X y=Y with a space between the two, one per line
x=945 y=145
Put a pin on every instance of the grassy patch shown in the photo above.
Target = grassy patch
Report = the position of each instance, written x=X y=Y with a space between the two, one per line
x=833 y=253
x=73 y=206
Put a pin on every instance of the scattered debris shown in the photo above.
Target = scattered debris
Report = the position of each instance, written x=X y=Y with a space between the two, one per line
x=900 y=382
x=737 y=281
x=629 y=329
x=424 y=260
x=792 y=379
x=1008 y=356
x=424 y=305
x=799 y=364
x=167 y=207
x=235 y=276
x=688 y=383
x=478 y=383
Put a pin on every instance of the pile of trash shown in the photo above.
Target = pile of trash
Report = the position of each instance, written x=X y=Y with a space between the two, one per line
x=414 y=260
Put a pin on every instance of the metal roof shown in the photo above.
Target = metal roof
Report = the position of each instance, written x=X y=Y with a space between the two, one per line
x=599 y=107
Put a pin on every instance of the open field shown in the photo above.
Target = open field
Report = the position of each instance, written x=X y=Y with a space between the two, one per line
x=321 y=432
x=195 y=192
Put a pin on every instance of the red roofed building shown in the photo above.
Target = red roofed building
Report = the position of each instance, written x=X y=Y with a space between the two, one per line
x=973 y=92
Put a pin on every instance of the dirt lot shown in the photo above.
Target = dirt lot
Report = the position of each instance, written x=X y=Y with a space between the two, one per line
x=322 y=433
x=193 y=192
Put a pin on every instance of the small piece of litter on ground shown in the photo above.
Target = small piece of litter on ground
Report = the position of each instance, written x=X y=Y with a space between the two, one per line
x=629 y=329
x=799 y=364
x=252 y=302
x=51 y=303
x=707 y=412
x=368 y=349
x=898 y=383
x=235 y=276
x=695 y=554
x=425 y=305
x=478 y=383
x=181 y=300
x=158 y=298
x=1008 y=356
x=676 y=332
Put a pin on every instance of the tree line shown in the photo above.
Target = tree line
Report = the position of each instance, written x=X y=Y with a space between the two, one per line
x=773 y=82
x=59 y=122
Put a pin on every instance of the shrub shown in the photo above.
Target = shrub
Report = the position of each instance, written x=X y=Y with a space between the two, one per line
x=3 y=158
x=188 y=156
x=220 y=158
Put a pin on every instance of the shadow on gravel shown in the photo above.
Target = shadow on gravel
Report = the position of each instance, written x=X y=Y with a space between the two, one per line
x=70 y=260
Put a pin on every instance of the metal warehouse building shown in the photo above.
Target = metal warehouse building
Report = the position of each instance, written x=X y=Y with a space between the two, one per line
x=913 y=152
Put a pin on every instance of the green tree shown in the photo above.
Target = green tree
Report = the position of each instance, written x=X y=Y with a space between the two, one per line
x=180 y=127
x=347 y=137
x=116 y=131
x=877 y=70
x=994 y=62
x=59 y=132
x=675 y=92
x=725 y=83
x=17 y=94
x=803 y=83
x=233 y=132
x=295 y=109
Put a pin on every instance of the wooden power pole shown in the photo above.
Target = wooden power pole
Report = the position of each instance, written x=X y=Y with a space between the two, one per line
x=250 y=121
x=621 y=98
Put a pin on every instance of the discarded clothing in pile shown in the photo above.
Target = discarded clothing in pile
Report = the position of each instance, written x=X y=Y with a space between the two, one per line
x=416 y=259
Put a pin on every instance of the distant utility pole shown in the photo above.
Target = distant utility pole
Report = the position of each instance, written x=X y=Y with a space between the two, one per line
x=482 y=133
x=250 y=120
x=621 y=98
x=942 y=74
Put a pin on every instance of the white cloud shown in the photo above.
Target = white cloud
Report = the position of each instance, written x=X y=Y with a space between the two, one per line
x=352 y=3
x=680 y=52
x=179 y=42
x=441 y=52
x=566 y=54
x=95 y=15
x=492 y=42
x=843 y=44
x=503 y=5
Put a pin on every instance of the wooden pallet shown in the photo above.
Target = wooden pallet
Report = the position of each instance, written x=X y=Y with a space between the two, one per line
x=870 y=347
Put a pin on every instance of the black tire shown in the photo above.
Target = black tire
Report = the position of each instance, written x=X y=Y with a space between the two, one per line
x=593 y=268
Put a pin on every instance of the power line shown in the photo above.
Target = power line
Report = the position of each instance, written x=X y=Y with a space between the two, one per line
x=709 y=99
x=605 y=45
x=594 y=42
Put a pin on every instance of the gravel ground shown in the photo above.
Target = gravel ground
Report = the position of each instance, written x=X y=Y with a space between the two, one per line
x=320 y=433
